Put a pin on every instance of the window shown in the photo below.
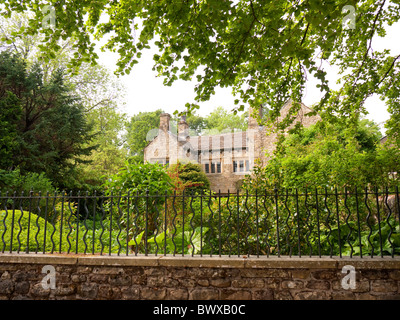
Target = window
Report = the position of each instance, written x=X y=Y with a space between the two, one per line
x=241 y=166
x=214 y=167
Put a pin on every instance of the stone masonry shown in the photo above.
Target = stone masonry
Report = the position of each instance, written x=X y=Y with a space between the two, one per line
x=226 y=157
x=86 y=277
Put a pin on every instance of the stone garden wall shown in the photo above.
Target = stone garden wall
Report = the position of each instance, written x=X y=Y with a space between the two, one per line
x=56 y=276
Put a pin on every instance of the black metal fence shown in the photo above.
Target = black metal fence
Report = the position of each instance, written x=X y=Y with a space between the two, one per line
x=318 y=222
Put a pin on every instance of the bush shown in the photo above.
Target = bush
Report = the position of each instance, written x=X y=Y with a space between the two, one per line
x=141 y=178
x=14 y=181
x=189 y=177
x=29 y=184
x=177 y=227
x=138 y=179
x=24 y=231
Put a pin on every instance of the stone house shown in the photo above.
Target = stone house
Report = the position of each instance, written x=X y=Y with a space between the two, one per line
x=225 y=158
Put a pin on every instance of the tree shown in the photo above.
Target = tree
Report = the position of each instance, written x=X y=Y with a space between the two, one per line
x=93 y=83
x=220 y=120
x=102 y=96
x=109 y=155
x=329 y=156
x=188 y=178
x=141 y=129
x=97 y=87
x=99 y=91
x=147 y=184
x=31 y=48
x=52 y=128
x=10 y=113
x=264 y=50
x=11 y=39
x=197 y=124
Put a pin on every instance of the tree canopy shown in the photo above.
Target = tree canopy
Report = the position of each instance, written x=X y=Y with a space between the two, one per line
x=221 y=120
x=329 y=156
x=140 y=129
x=264 y=50
x=43 y=123
x=98 y=92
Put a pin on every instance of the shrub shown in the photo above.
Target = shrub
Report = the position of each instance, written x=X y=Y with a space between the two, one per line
x=29 y=184
x=24 y=231
x=189 y=177
x=14 y=181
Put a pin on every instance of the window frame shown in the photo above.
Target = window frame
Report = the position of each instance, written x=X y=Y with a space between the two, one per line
x=241 y=166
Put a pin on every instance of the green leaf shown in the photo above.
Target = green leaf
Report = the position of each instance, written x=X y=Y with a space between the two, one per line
x=136 y=240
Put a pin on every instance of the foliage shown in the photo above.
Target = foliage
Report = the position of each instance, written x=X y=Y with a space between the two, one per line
x=379 y=240
x=169 y=220
x=26 y=231
x=141 y=129
x=287 y=223
x=13 y=37
x=13 y=181
x=222 y=121
x=10 y=113
x=218 y=121
x=147 y=183
x=280 y=223
x=52 y=127
x=180 y=240
x=197 y=124
x=188 y=180
x=141 y=178
x=27 y=185
x=330 y=156
x=264 y=50
x=100 y=94
x=109 y=155
x=188 y=177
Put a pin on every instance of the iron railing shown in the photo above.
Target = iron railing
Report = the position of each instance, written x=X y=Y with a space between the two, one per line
x=318 y=222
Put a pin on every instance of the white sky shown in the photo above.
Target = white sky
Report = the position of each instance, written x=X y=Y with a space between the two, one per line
x=146 y=92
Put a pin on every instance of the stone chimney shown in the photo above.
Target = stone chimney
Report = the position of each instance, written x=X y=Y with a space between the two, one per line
x=164 y=122
x=253 y=121
x=183 y=129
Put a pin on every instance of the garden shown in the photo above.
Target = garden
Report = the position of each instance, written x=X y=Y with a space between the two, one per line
x=153 y=210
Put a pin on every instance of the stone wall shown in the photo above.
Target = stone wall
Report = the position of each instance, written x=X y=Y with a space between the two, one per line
x=224 y=182
x=196 y=278
x=256 y=143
